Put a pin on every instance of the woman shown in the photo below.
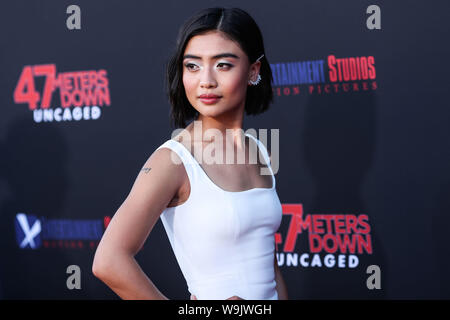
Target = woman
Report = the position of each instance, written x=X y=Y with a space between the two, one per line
x=220 y=218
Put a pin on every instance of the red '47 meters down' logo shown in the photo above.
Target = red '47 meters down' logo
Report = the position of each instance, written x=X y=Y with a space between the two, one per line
x=346 y=233
x=79 y=88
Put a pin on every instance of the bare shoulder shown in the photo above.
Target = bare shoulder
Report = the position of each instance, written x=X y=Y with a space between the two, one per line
x=166 y=165
x=158 y=181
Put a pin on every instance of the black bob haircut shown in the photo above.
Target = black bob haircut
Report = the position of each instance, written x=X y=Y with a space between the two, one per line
x=238 y=26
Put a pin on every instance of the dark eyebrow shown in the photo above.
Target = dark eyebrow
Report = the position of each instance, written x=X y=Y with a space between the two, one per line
x=222 y=55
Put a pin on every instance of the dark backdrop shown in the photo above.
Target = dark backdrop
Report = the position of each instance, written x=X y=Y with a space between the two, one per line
x=373 y=150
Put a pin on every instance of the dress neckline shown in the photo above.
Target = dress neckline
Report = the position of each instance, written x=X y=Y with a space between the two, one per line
x=214 y=185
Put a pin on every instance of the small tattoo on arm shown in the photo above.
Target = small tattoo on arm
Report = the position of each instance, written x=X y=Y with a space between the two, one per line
x=146 y=170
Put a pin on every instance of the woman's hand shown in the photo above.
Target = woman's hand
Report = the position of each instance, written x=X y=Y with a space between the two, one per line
x=193 y=297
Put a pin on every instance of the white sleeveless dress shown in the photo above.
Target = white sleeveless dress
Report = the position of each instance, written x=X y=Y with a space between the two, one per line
x=224 y=241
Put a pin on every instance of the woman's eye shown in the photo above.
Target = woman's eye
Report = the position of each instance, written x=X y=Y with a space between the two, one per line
x=188 y=65
x=225 y=64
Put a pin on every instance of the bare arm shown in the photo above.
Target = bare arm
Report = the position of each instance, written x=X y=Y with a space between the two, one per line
x=114 y=262
x=281 y=285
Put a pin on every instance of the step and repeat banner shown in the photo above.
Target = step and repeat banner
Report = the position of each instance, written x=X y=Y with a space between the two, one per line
x=360 y=102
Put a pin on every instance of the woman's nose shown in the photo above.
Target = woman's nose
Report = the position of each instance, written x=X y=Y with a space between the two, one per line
x=207 y=79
